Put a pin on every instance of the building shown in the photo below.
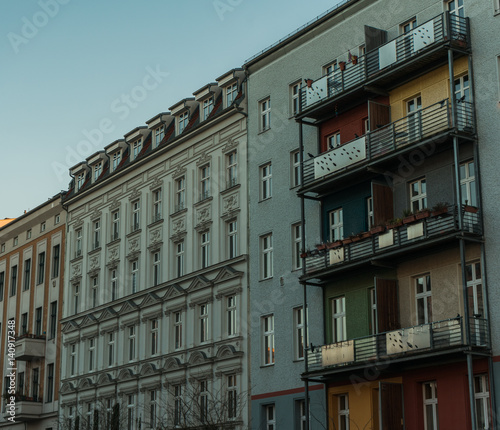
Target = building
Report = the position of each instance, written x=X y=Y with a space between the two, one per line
x=32 y=249
x=156 y=298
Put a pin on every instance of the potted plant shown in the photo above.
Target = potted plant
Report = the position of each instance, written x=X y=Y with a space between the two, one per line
x=394 y=222
x=354 y=59
x=379 y=228
x=408 y=216
x=342 y=65
x=423 y=213
x=309 y=83
x=440 y=208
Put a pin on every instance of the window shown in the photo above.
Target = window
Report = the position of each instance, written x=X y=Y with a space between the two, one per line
x=152 y=408
x=413 y=120
x=373 y=311
x=114 y=285
x=475 y=302
x=361 y=50
x=232 y=239
x=42 y=227
x=16 y=241
x=408 y=25
x=2 y=247
x=456 y=7
x=183 y=121
x=96 y=236
x=179 y=258
x=156 y=269
x=423 y=296
x=301 y=414
x=336 y=225
x=232 y=395
x=180 y=194
x=298 y=338
x=80 y=180
x=131 y=343
x=136 y=148
x=89 y=414
x=28 y=234
x=95 y=291
x=97 y=171
x=266 y=181
x=482 y=399
x=55 y=261
x=134 y=267
x=92 y=353
x=343 y=409
x=231 y=315
x=177 y=404
x=116 y=158
x=231 y=93
x=24 y=323
x=78 y=243
x=268 y=340
x=270 y=417
x=497 y=6
x=76 y=298
x=296 y=246
x=266 y=256
x=418 y=195
x=203 y=323
x=111 y=349
x=154 y=333
x=208 y=106
x=203 y=401
x=295 y=179
x=232 y=169
x=50 y=383
x=339 y=332
x=333 y=140
x=20 y=384
x=431 y=419
x=204 y=182
x=177 y=330
x=130 y=412
x=109 y=412
x=115 y=226
x=35 y=383
x=136 y=215
x=330 y=68
x=156 y=205
x=265 y=114
x=468 y=183
x=370 y=218
x=294 y=98
x=159 y=135
x=13 y=280
x=27 y=274
x=53 y=320
x=38 y=321
x=41 y=268
x=72 y=359
x=2 y=285
x=205 y=249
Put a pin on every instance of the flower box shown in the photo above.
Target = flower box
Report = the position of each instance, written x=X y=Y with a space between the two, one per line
x=377 y=229
x=471 y=209
x=423 y=214
x=408 y=219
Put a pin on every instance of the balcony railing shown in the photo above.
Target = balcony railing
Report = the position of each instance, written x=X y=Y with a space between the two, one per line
x=156 y=217
x=29 y=347
x=416 y=127
x=406 y=47
x=396 y=344
x=393 y=240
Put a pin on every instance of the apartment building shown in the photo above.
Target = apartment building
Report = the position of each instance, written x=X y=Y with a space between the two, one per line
x=156 y=300
x=32 y=249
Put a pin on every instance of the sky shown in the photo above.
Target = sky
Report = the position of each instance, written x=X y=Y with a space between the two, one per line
x=75 y=75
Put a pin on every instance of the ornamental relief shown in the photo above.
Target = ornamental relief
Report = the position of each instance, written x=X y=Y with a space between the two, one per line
x=113 y=254
x=231 y=203
x=133 y=245
x=157 y=183
x=203 y=215
x=230 y=145
x=179 y=225
x=76 y=270
x=179 y=171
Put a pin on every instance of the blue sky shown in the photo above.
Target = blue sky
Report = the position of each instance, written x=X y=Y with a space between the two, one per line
x=80 y=70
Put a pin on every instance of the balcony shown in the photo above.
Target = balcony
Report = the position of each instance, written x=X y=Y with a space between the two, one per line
x=29 y=347
x=398 y=345
x=27 y=408
x=391 y=243
x=410 y=53
x=389 y=139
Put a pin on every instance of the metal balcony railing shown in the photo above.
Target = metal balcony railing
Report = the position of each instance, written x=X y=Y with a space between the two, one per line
x=394 y=239
x=416 y=127
x=156 y=217
x=407 y=46
x=396 y=344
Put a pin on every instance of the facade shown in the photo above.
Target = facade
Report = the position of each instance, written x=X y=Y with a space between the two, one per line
x=32 y=249
x=156 y=300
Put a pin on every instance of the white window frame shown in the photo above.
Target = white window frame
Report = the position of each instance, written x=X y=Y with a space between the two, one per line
x=468 y=182
x=73 y=369
x=131 y=343
x=298 y=333
x=265 y=114
x=336 y=224
x=232 y=238
x=136 y=148
x=232 y=396
x=179 y=258
x=154 y=331
x=231 y=93
x=92 y=354
x=339 y=323
x=460 y=8
x=114 y=284
x=424 y=297
x=94 y=291
x=111 y=348
x=96 y=234
x=180 y=194
x=157 y=205
x=115 y=228
x=268 y=347
x=232 y=169
x=373 y=311
x=178 y=340
x=231 y=316
x=178 y=400
x=432 y=402
x=182 y=121
x=97 y=170
x=297 y=246
x=203 y=400
x=266 y=245
x=204 y=323
x=370 y=218
x=136 y=215
x=159 y=134
x=156 y=268
x=483 y=398
x=295 y=98
x=130 y=412
x=80 y=180
x=153 y=407
x=270 y=411
x=343 y=411
x=330 y=68
x=204 y=182
x=205 y=249
x=418 y=195
x=208 y=106
x=76 y=298
x=408 y=25
x=266 y=178
x=117 y=157
x=333 y=140
x=295 y=178
x=134 y=275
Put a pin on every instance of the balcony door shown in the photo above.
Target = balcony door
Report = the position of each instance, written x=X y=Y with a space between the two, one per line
x=391 y=412
x=413 y=114
x=387 y=304
x=462 y=102
x=476 y=303
x=382 y=202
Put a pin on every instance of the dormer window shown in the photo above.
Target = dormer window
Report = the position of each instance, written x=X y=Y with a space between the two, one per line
x=183 y=121
x=208 y=106
x=159 y=135
x=97 y=171
x=116 y=159
x=136 y=148
x=80 y=180
x=231 y=93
